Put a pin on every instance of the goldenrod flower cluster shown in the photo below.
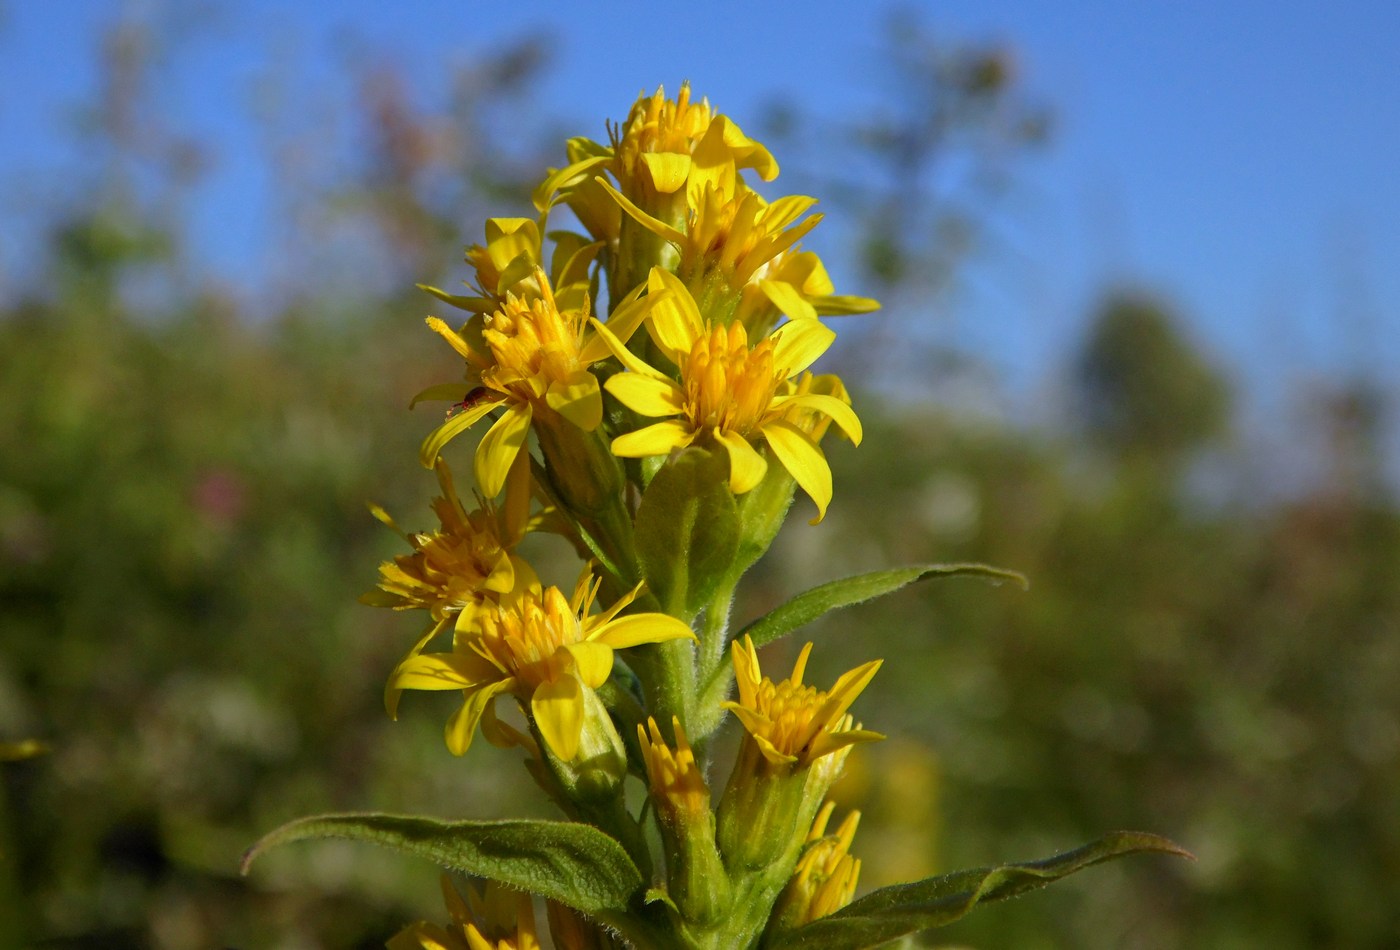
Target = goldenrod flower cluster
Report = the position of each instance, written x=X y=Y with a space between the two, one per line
x=644 y=384
x=637 y=367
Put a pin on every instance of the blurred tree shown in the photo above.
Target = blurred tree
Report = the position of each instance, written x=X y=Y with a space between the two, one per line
x=920 y=172
x=1144 y=392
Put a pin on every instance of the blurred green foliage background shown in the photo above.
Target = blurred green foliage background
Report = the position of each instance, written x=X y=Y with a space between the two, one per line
x=183 y=535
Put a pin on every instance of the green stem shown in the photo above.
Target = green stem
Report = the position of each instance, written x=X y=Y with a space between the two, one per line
x=668 y=672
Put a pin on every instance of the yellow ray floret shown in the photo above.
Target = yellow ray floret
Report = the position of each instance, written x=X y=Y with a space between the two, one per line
x=794 y=283
x=730 y=395
x=541 y=648
x=494 y=919
x=529 y=357
x=792 y=723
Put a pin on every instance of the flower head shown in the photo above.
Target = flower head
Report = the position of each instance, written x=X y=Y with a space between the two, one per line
x=511 y=262
x=791 y=723
x=542 y=648
x=466 y=562
x=665 y=151
x=730 y=394
x=676 y=780
x=826 y=875
x=729 y=232
x=529 y=358
x=493 y=919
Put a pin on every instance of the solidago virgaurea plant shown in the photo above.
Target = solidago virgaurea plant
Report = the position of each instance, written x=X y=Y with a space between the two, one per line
x=665 y=436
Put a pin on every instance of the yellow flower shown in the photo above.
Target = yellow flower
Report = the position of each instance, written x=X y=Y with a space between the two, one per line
x=826 y=875
x=467 y=564
x=730 y=395
x=793 y=724
x=729 y=230
x=469 y=560
x=541 y=648
x=510 y=261
x=664 y=151
x=530 y=358
x=676 y=781
x=496 y=919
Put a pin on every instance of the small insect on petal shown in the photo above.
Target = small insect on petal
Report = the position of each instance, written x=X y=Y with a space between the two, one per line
x=471 y=400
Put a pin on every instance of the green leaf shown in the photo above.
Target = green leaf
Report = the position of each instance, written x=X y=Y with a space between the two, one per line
x=809 y=605
x=893 y=912
x=687 y=531
x=573 y=863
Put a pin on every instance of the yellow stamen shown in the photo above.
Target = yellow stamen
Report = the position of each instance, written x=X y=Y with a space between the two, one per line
x=727 y=385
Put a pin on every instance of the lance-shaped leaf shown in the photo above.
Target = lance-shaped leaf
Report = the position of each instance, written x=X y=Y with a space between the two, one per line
x=893 y=912
x=809 y=605
x=575 y=864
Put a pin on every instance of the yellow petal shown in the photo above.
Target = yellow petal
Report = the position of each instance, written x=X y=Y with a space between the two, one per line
x=619 y=349
x=502 y=576
x=437 y=671
x=592 y=661
x=636 y=629
x=669 y=170
x=591 y=624
x=746 y=670
x=499 y=446
x=798 y=343
x=578 y=399
x=800 y=667
x=846 y=689
x=462 y=724
x=624 y=320
x=567 y=177
x=840 y=412
x=658 y=439
x=654 y=225
x=466 y=617
x=828 y=742
x=746 y=466
x=803 y=460
x=787 y=299
x=515 y=514
x=509 y=239
x=675 y=322
x=453 y=338
x=770 y=751
x=785 y=210
x=453 y=427
x=745 y=152
x=753 y=721
x=647 y=395
x=558 y=712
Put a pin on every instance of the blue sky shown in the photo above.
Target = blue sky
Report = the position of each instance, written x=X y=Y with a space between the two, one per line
x=1240 y=158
